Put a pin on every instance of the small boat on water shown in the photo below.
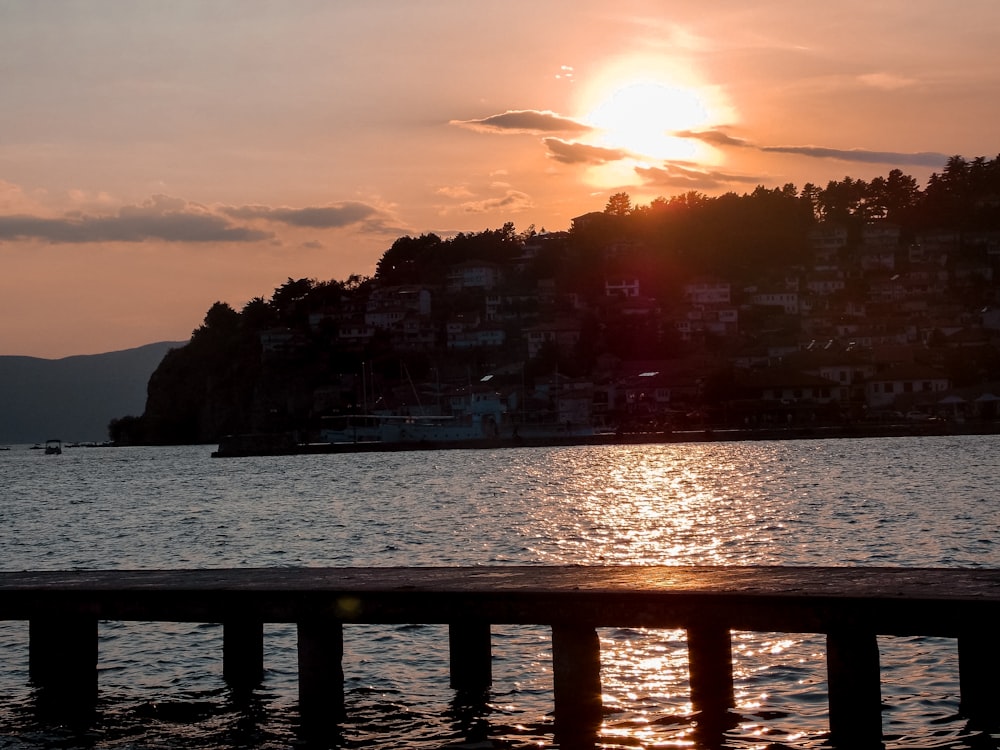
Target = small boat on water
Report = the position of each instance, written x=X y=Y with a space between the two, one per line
x=53 y=447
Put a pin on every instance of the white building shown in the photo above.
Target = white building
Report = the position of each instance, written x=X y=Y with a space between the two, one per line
x=708 y=292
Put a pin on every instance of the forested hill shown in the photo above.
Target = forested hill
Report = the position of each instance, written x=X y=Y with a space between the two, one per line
x=73 y=398
x=280 y=364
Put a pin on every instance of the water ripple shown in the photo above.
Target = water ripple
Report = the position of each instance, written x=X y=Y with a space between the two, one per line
x=908 y=502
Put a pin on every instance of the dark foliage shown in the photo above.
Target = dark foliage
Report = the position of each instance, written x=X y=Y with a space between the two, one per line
x=224 y=382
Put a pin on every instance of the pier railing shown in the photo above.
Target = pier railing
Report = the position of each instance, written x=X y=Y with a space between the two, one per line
x=852 y=606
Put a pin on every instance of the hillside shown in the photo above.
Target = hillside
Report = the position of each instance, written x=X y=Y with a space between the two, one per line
x=76 y=397
x=861 y=300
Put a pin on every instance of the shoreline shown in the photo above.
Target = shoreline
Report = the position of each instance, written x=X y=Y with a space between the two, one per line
x=242 y=446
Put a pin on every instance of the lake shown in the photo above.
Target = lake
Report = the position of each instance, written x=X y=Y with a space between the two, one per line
x=918 y=501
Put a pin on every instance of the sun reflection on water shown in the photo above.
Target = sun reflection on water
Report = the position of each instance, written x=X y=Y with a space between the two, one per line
x=712 y=504
x=663 y=507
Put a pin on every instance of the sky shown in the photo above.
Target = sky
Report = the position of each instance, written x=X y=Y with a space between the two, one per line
x=157 y=157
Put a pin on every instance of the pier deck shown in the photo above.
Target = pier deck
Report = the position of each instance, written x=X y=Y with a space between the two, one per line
x=852 y=606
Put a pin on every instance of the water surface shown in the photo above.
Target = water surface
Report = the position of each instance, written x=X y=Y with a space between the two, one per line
x=901 y=502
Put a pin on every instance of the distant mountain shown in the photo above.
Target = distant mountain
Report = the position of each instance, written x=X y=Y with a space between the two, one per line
x=74 y=398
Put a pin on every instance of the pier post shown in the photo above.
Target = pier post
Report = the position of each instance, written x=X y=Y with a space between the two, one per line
x=852 y=663
x=978 y=667
x=243 y=653
x=470 y=656
x=62 y=662
x=710 y=673
x=321 y=674
x=576 y=682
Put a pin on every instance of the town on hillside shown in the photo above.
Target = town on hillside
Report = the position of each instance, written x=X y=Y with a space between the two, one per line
x=778 y=308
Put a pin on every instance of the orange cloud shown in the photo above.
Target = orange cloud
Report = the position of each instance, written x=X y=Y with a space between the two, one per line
x=582 y=153
x=524 y=121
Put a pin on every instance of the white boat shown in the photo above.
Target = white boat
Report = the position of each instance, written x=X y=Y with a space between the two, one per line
x=482 y=421
x=351 y=428
x=407 y=429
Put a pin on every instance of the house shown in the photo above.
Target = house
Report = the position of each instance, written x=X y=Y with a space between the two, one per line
x=699 y=322
x=474 y=274
x=878 y=258
x=574 y=405
x=621 y=287
x=355 y=332
x=788 y=301
x=588 y=220
x=648 y=392
x=788 y=386
x=385 y=318
x=477 y=338
x=466 y=331
x=708 y=292
x=880 y=234
x=825 y=283
x=417 y=333
x=846 y=367
x=882 y=389
x=280 y=342
x=564 y=333
x=827 y=242
x=408 y=297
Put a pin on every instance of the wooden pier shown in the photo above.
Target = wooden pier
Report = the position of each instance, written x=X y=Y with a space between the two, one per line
x=852 y=606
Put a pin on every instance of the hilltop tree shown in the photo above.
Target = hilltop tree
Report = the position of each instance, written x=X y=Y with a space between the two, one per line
x=619 y=204
x=258 y=314
x=408 y=259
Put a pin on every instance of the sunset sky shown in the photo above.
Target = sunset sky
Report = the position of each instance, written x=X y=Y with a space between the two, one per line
x=156 y=157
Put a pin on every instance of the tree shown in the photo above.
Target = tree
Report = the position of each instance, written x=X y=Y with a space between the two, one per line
x=291 y=292
x=258 y=314
x=408 y=257
x=220 y=321
x=619 y=204
x=893 y=198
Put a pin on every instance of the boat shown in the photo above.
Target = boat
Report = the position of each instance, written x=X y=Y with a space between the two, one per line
x=372 y=428
x=351 y=428
x=478 y=417
x=53 y=447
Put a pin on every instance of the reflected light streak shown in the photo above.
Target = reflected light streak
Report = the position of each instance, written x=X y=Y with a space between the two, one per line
x=663 y=507
x=671 y=505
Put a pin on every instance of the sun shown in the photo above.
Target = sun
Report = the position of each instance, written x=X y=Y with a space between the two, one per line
x=642 y=117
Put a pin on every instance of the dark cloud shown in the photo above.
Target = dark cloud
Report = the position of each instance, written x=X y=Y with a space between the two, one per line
x=690 y=177
x=581 y=153
x=337 y=216
x=513 y=201
x=714 y=138
x=160 y=218
x=176 y=220
x=920 y=159
x=525 y=121
x=723 y=139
